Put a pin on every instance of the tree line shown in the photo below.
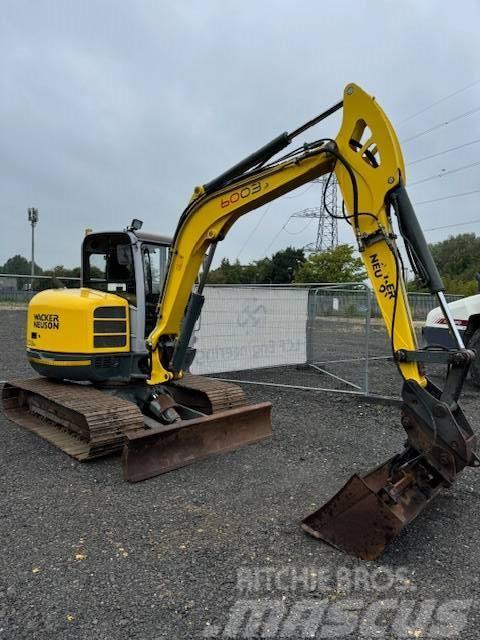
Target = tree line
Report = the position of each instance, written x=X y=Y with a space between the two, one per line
x=458 y=260
x=21 y=266
x=292 y=265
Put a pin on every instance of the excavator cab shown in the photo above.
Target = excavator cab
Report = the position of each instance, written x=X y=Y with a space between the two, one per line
x=98 y=331
x=132 y=265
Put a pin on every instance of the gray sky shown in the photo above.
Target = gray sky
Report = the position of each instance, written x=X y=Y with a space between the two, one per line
x=113 y=110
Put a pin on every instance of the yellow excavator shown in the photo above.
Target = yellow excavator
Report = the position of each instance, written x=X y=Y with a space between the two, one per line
x=140 y=398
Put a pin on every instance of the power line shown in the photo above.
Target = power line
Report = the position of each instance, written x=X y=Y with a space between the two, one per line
x=449 y=226
x=292 y=233
x=441 y=124
x=277 y=234
x=297 y=195
x=297 y=233
x=434 y=104
x=416 y=204
x=441 y=153
x=445 y=173
x=289 y=217
x=267 y=209
x=453 y=195
x=265 y=213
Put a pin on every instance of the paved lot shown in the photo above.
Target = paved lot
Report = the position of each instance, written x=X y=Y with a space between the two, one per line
x=85 y=555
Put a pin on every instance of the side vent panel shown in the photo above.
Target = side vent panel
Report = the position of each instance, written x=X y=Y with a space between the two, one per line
x=110 y=327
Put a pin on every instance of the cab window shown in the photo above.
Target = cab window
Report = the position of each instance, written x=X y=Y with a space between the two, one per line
x=108 y=265
x=154 y=259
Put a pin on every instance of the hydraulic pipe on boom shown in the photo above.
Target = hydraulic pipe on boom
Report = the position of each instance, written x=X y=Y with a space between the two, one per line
x=368 y=513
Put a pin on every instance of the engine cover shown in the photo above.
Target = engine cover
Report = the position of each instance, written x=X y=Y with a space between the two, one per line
x=68 y=328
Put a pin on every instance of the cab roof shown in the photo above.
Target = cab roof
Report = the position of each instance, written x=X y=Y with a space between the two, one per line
x=144 y=236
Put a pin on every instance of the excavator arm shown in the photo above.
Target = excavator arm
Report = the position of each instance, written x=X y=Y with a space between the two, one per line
x=367 y=160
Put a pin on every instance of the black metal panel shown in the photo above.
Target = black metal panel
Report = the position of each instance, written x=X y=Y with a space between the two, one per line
x=416 y=244
x=109 y=341
x=110 y=312
x=110 y=326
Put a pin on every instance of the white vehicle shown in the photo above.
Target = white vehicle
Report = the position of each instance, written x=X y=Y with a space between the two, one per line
x=466 y=313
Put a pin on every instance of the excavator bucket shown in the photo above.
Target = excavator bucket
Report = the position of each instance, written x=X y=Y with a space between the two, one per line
x=369 y=512
x=151 y=452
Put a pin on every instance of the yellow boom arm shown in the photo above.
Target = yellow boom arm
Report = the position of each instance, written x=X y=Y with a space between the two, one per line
x=368 y=164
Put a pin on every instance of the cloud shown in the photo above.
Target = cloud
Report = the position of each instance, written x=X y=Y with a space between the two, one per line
x=117 y=110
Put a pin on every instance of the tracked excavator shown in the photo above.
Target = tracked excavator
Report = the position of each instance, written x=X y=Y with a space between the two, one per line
x=139 y=396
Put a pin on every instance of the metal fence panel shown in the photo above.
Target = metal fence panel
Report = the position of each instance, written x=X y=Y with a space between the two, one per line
x=338 y=336
x=422 y=303
x=21 y=288
x=251 y=327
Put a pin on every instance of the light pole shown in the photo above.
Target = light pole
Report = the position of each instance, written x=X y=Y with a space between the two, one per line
x=33 y=219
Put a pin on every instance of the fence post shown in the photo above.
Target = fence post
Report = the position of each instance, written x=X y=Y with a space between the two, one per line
x=367 y=338
x=311 y=299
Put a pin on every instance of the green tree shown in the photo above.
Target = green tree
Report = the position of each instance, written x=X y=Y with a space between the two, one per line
x=60 y=271
x=333 y=265
x=458 y=257
x=460 y=287
x=278 y=269
x=263 y=271
x=226 y=273
x=285 y=264
x=458 y=260
x=19 y=265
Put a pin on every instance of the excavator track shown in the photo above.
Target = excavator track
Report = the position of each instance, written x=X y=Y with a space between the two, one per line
x=88 y=423
x=207 y=394
x=82 y=421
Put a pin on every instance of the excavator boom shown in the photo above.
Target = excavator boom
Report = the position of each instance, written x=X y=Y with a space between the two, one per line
x=368 y=163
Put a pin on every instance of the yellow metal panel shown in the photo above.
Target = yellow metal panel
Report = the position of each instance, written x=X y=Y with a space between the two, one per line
x=61 y=320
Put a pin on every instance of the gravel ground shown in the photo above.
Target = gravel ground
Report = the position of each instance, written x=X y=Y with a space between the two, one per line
x=86 y=555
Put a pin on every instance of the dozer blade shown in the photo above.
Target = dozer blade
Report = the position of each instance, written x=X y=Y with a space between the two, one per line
x=151 y=452
x=369 y=512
